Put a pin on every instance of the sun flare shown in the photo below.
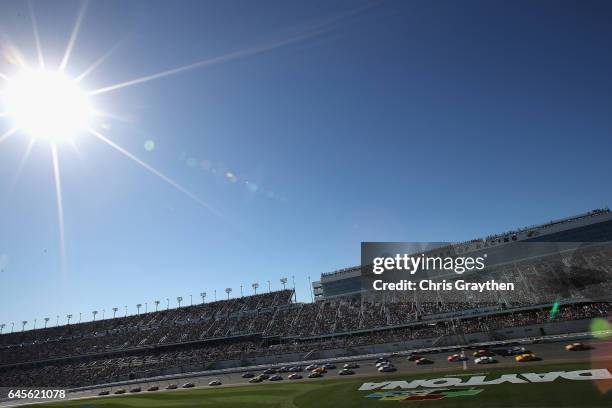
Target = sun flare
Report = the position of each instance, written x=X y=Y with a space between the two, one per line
x=47 y=105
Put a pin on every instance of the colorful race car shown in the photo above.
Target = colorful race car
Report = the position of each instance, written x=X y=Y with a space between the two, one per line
x=423 y=360
x=485 y=360
x=320 y=370
x=295 y=376
x=457 y=357
x=214 y=383
x=315 y=374
x=521 y=358
x=351 y=365
x=576 y=347
x=346 y=371
x=389 y=368
x=482 y=353
x=515 y=351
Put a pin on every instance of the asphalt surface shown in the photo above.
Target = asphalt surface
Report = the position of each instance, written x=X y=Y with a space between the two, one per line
x=547 y=353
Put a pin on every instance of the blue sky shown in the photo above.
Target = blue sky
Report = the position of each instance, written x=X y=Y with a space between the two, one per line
x=392 y=121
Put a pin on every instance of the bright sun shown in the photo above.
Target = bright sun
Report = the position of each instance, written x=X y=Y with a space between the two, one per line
x=47 y=105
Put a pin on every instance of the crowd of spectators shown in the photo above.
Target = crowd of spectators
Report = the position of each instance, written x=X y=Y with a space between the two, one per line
x=141 y=364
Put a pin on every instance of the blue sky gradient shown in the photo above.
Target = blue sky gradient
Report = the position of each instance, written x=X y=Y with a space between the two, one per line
x=390 y=121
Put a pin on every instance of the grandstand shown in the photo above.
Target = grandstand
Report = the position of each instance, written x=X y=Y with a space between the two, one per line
x=273 y=327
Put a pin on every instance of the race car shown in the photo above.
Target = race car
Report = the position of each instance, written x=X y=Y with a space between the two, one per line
x=119 y=391
x=270 y=371
x=295 y=369
x=382 y=363
x=389 y=368
x=101 y=393
x=320 y=370
x=264 y=376
x=346 y=371
x=248 y=375
x=414 y=357
x=482 y=353
x=515 y=351
x=136 y=389
x=381 y=360
x=456 y=357
x=172 y=387
x=351 y=365
x=315 y=374
x=521 y=358
x=283 y=369
x=576 y=347
x=295 y=376
x=276 y=377
x=257 y=379
x=153 y=388
x=423 y=360
x=214 y=383
x=188 y=385
x=311 y=367
x=329 y=366
x=485 y=360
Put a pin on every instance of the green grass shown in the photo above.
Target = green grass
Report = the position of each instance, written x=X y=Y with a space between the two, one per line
x=339 y=393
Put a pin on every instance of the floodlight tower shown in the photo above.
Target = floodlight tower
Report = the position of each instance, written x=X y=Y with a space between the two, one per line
x=115 y=309
x=68 y=317
x=46 y=321
x=203 y=296
x=228 y=291
x=23 y=323
x=156 y=305
x=269 y=287
x=284 y=282
x=2 y=327
x=138 y=306
x=255 y=286
x=94 y=313
x=179 y=299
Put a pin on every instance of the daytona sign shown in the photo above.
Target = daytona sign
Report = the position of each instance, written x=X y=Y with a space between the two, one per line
x=523 y=378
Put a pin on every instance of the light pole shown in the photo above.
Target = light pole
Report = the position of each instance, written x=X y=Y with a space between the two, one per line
x=94 y=313
x=269 y=287
x=203 y=295
x=284 y=282
x=23 y=323
x=179 y=299
x=294 y=294
x=68 y=317
x=125 y=310
x=310 y=287
x=80 y=315
x=228 y=291
x=138 y=306
x=156 y=305
x=12 y=326
x=2 y=327
x=103 y=313
x=46 y=321
x=146 y=307
x=34 y=324
x=191 y=300
x=115 y=309
x=168 y=304
x=215 y=295
x=56 y=320
x=241 y=291
x=255 y=286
